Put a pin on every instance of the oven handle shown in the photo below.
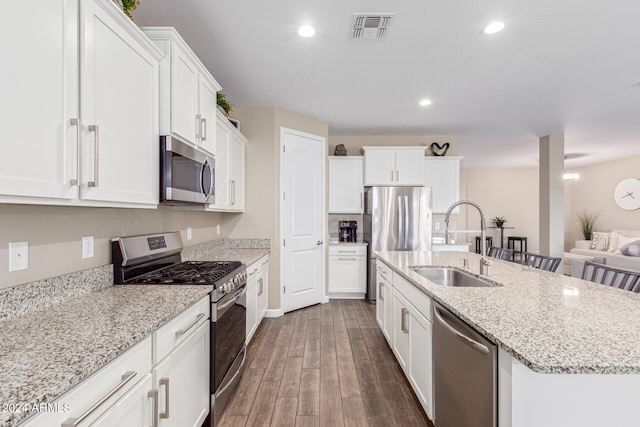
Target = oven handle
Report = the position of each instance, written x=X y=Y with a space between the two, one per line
x=231 y=381
x=220 y=310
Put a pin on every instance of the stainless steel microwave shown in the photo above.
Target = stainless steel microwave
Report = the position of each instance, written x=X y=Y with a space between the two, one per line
x=187 y=175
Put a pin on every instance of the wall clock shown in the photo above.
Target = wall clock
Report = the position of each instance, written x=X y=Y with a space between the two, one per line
x=627 y=194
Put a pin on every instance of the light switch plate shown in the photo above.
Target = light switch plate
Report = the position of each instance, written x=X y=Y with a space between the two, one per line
x=218 y=229
x=87 y=247
x=189 y=233
x=18 y=256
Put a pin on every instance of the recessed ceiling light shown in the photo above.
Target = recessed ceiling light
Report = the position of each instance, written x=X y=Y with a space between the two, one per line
x=306 y=31
x=494 y=27
x=425 y=102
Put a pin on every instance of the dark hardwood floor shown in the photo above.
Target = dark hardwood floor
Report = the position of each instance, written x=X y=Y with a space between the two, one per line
x=325 y=365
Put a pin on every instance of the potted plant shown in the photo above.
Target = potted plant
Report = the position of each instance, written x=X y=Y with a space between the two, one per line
x=587 y=221
x=225 y=105
x=499 y=221
x=129 y=6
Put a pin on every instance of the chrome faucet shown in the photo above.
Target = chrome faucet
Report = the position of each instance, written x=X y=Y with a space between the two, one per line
x=484 y=262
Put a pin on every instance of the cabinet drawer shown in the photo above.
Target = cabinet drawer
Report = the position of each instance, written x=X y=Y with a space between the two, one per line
x=111 y=382
x=384 y=270
x=176 y=330
x=347 y=250
x=255 y=267
x=421 y=301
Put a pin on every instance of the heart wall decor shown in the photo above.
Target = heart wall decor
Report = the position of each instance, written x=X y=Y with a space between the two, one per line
x=439 y=150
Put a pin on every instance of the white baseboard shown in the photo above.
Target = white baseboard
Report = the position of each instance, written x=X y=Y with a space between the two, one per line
x=325 y=299
x=347 y=295
x=274 y=313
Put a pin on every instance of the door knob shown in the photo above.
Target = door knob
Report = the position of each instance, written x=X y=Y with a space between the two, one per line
x=319 y=242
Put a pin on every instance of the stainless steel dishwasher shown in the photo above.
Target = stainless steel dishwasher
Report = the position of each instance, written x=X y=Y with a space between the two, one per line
x=465 y=373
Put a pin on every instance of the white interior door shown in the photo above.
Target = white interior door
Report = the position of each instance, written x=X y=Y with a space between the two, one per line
x=302 y=161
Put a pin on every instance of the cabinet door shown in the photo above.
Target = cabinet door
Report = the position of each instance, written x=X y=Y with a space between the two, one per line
x=182 y=380
x=207 y=99
x=346 y=184
x=39 y=97
x=184 y=96
x=263 y=296
x=379 y=167
x=222 y=166
x=443 y=176
x=236 y=172
x=134 y=409
x=252 y=306
x=420 y=359
x=347 y=274
x=410 y=167
x=119 y=89
x=400 y=337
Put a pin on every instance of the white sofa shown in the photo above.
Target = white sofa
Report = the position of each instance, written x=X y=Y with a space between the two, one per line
x=611 y=256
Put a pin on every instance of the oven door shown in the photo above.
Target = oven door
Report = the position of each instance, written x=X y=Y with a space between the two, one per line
x=228 y=332
x=187 y=175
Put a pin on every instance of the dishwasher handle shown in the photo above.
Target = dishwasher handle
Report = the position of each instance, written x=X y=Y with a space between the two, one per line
x=473 y=343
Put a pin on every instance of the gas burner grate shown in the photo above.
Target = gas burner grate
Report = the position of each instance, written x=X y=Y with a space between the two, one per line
x=190 y=272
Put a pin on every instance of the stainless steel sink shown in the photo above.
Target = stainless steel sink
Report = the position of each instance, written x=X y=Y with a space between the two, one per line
x=452 y=277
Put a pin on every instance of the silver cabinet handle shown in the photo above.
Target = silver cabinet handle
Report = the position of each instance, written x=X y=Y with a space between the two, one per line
x=78 y=124
x=397 y=176
x=381 y=291
x=473 y=343
x=198 y=127
x=346 y=252
x=391 y=176
x=165 y=382
x=153 y=394
x=96 y=154
x=261 y=283
x=347 y=259
x=126 y=378
x=203 y=129
x=183 y=331
x=405 y=325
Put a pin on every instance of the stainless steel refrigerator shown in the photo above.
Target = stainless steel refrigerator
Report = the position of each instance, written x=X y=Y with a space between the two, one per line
x=395 y=219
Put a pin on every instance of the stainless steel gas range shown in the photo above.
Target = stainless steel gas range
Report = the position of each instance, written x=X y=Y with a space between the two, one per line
x=156 y=259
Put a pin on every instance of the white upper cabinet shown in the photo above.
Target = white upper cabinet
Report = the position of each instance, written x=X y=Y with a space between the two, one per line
x=187 y=91
x=229 y=173
x=393 y=166
x=346 y=184
x=442 y=174
x=97 y=59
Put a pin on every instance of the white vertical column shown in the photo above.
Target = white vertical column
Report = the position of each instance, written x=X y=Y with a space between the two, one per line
x=552 y=196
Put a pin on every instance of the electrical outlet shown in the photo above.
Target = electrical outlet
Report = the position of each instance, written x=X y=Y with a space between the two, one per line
x=218 y=229
x=87 y=247
x=18 y=256
x=437 y=225
x=189 y=233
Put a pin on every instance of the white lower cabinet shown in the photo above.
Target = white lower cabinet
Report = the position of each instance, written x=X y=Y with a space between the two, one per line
x=347 y=270
x=384 y=302
x=404 y=315
x=182 y=381
x=130 y=391
x=257 y=288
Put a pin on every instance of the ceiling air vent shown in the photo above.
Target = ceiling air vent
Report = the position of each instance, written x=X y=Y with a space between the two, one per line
x=371 y=26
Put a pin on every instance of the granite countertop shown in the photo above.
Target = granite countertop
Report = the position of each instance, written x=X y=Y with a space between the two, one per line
x=48 y=351
x=348 y=243
x=553 y=324
x=246 y=256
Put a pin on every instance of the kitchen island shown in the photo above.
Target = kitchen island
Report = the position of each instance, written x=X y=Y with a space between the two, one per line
x=569 y=350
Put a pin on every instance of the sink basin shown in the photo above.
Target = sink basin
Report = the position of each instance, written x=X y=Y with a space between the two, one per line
x=452 y=277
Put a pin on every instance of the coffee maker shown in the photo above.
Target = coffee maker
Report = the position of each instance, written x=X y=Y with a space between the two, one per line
x=348 y=230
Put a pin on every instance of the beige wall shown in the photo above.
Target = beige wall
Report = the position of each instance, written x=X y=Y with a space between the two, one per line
x=354 y=144
x=511 y=193
x=55 y=234
x=594 y=191
x=261 y=125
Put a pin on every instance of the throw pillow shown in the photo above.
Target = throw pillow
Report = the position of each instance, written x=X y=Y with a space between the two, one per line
x=623 y=241
x=613 y=241
x=631 y=249
x=600 y=241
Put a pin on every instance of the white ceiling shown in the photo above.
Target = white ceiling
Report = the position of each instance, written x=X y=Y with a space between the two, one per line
x=558 y=66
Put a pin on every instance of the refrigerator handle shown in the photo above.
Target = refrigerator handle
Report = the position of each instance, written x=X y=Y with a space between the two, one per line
x=400 y=224
x=406 y=222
